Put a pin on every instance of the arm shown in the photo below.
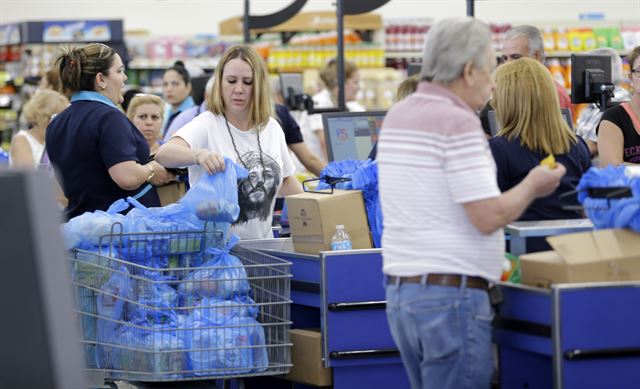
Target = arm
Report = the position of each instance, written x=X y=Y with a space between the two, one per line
x=610 y=144
x=178 y=153
x=319 y=133
x=310 y=161
x=490 y=214
x=130 y=175
x=20 y=152
x=290 y=186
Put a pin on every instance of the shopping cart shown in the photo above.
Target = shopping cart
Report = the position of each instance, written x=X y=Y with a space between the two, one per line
x=160 y=307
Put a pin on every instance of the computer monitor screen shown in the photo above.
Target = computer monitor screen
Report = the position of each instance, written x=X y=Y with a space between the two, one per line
x=351 y=135
x=414 y=68
x=496 y=127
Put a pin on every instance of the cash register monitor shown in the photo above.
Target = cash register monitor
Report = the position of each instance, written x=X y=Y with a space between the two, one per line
x=351 y=135
x=495 y=126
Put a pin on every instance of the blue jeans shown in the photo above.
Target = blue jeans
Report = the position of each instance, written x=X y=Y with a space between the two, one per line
x=443 y=334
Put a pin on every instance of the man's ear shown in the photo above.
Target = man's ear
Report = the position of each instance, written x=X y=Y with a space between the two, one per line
x=468 y=72
x=537 y=55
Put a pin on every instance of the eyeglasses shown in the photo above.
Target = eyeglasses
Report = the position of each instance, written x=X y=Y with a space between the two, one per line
x=635 y=72
x=511 y=57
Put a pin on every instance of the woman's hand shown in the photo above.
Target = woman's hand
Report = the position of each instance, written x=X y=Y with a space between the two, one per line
x=210 y=162
x=161 y=176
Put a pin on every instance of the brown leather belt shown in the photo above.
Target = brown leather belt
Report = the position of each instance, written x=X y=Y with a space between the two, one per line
x=442 y=280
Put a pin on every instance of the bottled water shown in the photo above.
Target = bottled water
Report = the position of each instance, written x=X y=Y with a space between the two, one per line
x=340 y=239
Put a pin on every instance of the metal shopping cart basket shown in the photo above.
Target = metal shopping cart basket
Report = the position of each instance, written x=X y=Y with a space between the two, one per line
x=160 y=307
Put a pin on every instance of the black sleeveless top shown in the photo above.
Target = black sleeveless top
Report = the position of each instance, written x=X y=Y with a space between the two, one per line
x=619 y=116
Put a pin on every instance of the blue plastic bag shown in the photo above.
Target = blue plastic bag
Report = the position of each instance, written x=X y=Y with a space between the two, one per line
x=363 y=176
x=219 y=312
x=611 y=213
x=156 y=349
x=223 y=276
x=215 y=196
x=156 y=300
x=111 y=303
x=84 y=231
x=173 y=217
x=238 y=347
x=4 y=157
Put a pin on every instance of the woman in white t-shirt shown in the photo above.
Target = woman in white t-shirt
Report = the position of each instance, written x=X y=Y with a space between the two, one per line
x=27 y=146
x=238 y=125
x=328 y=98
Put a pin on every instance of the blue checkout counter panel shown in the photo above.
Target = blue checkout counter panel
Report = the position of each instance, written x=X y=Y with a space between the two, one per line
x=570 y=336
x=342 y=293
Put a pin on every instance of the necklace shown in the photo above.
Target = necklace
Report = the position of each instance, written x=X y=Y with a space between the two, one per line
x=240 y=158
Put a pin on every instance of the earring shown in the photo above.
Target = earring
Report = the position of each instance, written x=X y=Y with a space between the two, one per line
x=103 y=86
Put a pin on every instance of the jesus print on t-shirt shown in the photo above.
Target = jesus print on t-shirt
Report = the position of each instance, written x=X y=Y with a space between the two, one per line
x=257 y=191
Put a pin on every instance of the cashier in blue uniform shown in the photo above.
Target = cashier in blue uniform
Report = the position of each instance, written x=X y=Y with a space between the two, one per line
x=98 y=154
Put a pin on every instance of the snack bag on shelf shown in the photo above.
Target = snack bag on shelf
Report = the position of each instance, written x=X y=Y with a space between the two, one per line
x=575 y=40
x=588 y=40
x=548 y=37
x=615 y=39
x=601 y=36
x=562 y=40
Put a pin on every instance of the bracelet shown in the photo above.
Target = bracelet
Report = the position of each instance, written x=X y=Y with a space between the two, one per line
x=195 y=157
x=152 y=172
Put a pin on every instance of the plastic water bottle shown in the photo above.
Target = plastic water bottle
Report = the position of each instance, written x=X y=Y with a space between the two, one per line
x=340 y=239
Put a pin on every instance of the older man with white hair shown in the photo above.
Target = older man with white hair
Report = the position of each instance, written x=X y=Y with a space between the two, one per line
x=443 y=212
x=526 y=41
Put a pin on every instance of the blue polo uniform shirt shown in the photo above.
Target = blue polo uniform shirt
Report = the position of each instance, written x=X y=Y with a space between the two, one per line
x=83 y=142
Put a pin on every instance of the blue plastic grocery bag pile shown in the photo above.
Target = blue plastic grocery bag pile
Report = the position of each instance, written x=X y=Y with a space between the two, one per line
x=170 y=308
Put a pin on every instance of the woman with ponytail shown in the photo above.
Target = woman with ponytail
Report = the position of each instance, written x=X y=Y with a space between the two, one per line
x=98 y=154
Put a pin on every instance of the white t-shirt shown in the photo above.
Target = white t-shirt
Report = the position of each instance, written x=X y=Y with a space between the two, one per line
x=37 y=148
x=256 y=195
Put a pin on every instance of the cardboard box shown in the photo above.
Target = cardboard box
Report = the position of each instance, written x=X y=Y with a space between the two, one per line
x=306 y=357
x=313 y=218
x=604 y=255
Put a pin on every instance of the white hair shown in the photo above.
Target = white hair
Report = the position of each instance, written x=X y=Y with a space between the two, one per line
x=616 y=63
x=531 y=34
x=450 y=45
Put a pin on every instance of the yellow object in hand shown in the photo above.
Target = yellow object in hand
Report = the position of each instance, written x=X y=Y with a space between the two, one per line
x=550 y=162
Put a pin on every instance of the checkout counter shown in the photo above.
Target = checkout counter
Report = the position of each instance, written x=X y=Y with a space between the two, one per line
x=342 y=294
x=570 y=335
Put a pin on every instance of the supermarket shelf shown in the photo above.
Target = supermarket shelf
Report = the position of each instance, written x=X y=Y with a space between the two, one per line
x=552 y=54
x=147 y=63
x=403 y=54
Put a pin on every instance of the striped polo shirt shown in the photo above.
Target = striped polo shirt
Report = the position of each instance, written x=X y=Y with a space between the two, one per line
x=433 y=158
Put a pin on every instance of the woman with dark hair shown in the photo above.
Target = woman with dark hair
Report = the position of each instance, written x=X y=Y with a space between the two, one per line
x=176 y=91
x=238 y=125
x=99 y=155
x=619 y=129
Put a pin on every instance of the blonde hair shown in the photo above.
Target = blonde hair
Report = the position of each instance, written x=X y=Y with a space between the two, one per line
x=53 y=79
x=261 y=106
x=527 y=106
x=329 y=74
x=78 y=67
x=142 y=99
x=42 y=106
x=407 y=87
